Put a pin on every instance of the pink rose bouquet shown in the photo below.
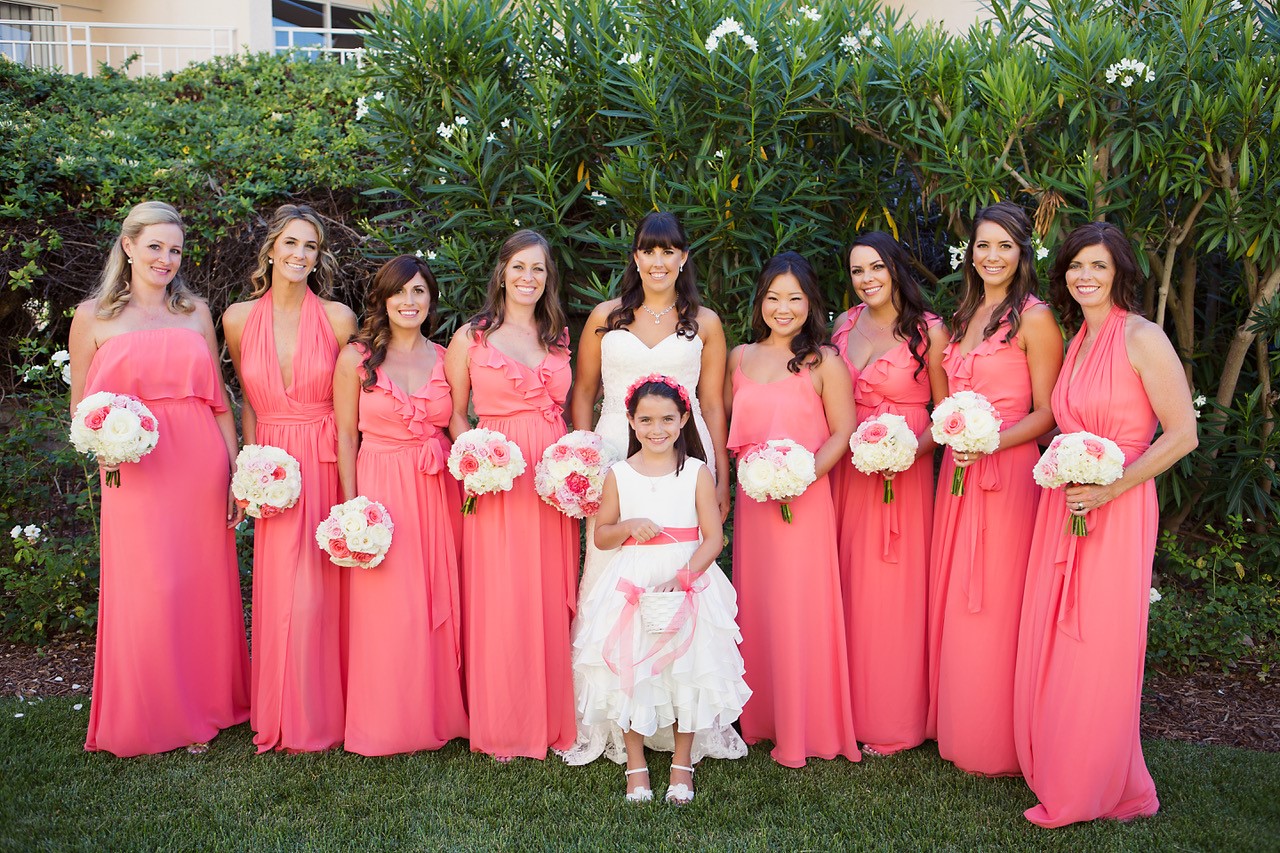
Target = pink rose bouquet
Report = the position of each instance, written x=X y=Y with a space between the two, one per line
x=884 y=445
x=1079 y=457
x=115 y=428
x=570 y=475
x=966 y=422
x=485 y=461
x=356 y=533
x=267 y=480
x=778 y=470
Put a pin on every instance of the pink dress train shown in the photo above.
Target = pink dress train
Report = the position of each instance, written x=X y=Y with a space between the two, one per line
x=1083 y=638
x=172 y=666
x=788 y=582
x=978 y=565
x=519 y=570
x=884 y=557
x=404 y=673
x=297 y=667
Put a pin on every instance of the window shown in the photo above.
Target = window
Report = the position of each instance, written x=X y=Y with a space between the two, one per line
x=16 y=39
x=288 y=15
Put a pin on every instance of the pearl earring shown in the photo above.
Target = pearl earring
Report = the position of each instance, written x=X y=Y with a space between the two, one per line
x=681 y=268
x=271 y=260
x=128 y=259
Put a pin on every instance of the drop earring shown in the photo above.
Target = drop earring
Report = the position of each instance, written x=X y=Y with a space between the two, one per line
x=128 y=259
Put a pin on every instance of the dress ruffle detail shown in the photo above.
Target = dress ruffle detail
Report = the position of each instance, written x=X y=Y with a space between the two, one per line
x=533 y=383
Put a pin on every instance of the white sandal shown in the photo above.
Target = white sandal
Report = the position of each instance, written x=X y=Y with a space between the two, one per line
x=680 y=794
x=644 y=793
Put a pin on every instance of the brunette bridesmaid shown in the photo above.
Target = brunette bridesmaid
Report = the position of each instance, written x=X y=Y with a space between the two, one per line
x=1006 y=346
x=172 y=667
x=1083 y=638
x=392 y=405
x=787 y=385
x=520 y=556
x=284 y=342
x=893 y=348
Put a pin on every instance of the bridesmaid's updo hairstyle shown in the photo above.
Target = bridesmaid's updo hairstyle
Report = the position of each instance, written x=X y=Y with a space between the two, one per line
x=1124 y=283
x=658 y=229
x=688 y=444
x=806 y=346
x=907 y=296
x=113 y=293
x=322 y=278
x=1013 y=219
x=375 y=332
x=548 y=313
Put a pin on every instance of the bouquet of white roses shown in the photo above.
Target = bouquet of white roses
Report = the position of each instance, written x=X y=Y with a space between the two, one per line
x=485 y=461
x=884 y=445
x=356 y=533
x=267 y=480
x=115 y=428
x=1079 y=457
x=778 y=470
x=570 y=475
x=966 y=422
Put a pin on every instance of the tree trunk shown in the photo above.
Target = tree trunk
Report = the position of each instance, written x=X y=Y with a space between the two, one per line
x=1243 y=339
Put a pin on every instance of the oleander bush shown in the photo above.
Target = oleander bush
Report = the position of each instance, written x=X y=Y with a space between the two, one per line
x=766 y=125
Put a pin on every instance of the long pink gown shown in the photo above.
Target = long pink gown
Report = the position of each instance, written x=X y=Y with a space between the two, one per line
x=172 y=665
x=404 y=676
x=788 y=582
x=884 y=557
x=978 y=564
x=297 y=668
x=519 y=570
x=1083 y=638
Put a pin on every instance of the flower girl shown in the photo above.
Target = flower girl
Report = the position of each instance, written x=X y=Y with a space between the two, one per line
x=658 y=646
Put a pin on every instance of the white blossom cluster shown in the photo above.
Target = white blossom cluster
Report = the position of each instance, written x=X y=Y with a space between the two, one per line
x=31 y=533
x=1079 y=457
x=884 y=444
x=966 y=421
x=852 y=43
x=1129 y=71
x=267 y=480
x=485 y=461
x=599 y=198
x=570 y=475
x=356 y=533
x=446 y=130
x=957 y=255
x=115 y=428
x=726 y=27
x=429 y=255
x=778 y=470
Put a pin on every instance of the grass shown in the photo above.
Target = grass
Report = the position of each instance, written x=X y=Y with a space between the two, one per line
x=55 y=796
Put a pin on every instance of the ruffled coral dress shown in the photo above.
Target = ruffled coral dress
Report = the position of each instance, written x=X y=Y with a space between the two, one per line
x=519 y=569
x=1083 y=639
x=981 y=541
x=884 y=557
x=172 y=665
x=404 y=677
x=297 y=606
x=788 y=582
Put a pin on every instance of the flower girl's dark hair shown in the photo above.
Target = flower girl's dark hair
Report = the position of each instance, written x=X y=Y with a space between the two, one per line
x=689 y=443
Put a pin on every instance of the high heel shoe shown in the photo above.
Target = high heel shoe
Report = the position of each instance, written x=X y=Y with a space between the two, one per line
x=680 y=794
x=644 y=793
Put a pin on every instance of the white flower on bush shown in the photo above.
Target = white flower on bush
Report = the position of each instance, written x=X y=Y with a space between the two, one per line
x=16 y=532
x=729 y=26
x=362 y=108
x=462 y=121
x=957 y=255
x=811 y=13
x=631 y=59
x=719 y=155
x=32 y=533
x=599 y=198
x=506 y=122
x=444 y=131
x=1155 y=595
x=1129 y=71
x=1041 y=251
x=378 y=96
x=492 y=137
x=1199 y=402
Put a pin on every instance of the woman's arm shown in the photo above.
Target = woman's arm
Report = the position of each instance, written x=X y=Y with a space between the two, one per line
x=711 y=399
x=837 y=402
x=341 y=319
x=938 y=339
x=81 y=346
x=1043 y=343
x=225 y=420
x=233 y=323
x=457 y=371
x=586 y=382
x=346 y=412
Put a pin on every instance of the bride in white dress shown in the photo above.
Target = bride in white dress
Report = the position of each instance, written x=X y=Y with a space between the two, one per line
x=656 y=325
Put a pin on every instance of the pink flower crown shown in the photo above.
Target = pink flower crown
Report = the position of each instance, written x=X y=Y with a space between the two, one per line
x=664 y=380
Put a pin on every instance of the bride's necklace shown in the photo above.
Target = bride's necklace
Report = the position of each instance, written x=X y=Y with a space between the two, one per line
x=658 y=315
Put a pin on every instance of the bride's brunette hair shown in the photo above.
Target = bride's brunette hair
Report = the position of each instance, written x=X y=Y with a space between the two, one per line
x=688 y=444
x=547 y=313
x=806 y=346
x=375 y=333
x=658 y=229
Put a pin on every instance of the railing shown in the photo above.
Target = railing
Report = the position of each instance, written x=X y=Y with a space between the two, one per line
x=314 y=42
x=81 y=47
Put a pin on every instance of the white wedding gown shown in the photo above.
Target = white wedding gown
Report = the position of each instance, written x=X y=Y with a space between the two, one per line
x=624 y=358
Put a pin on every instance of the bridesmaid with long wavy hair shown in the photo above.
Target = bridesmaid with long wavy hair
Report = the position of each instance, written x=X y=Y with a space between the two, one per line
x=171 y=668
x=284 y=343
x=1083 y=637
x=519 y=556
x=392 y=404
x=892 y=345
x=1005 y=345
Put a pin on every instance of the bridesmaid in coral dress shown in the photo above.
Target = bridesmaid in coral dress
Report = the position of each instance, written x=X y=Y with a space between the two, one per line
x=392 y=405
x=284 y=342
x=520 y=556
x=172 y=668
x=788 y=575
x=893 y=348
x=1006 y=346
x=1083 y=637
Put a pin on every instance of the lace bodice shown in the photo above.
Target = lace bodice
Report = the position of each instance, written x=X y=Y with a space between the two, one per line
x=624 y=358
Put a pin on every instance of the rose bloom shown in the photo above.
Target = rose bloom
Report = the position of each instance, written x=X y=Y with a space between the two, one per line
x=499 y=453
x=589 y=455
x=279 y=473
x=338 y=548
x=874 y=432
x=954 y=424
x=468 y=464
x=1094 y=448
x=373 y=514
x=577 y=483
x=268 y=511
x=148 y=424
x=96 y=418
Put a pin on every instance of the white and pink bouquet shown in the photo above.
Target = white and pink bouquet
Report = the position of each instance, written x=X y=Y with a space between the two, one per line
x=966 y=422
x=485 y=461
x=115 y=428
x=267 y=480
x=1079 y=457
x=778 y=470
x=884 y=445
x=356 y=533
x=570 y=475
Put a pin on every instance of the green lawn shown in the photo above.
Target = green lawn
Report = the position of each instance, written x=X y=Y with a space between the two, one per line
x=54 y=796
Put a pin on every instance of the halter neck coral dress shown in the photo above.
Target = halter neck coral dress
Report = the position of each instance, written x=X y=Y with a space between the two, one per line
x=519 y=569
x=884 y=556
x=1083 y=638
x=172 y=666
x=788 y=582
x=297 y=666
x=404 y=678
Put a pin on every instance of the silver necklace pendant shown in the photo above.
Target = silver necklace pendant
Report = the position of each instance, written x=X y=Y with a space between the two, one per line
x=657 y=316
